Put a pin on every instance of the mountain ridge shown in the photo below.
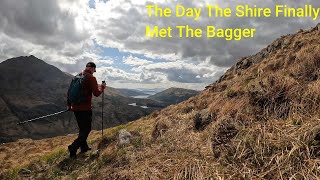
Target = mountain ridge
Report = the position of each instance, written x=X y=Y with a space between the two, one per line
x=173 y=95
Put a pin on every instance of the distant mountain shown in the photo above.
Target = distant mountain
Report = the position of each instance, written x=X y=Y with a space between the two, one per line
x=129 y=92
x=31 y=88
x=151 y=91
x=173 y=95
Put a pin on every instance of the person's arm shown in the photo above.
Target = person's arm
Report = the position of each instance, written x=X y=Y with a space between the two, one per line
x=96 y=90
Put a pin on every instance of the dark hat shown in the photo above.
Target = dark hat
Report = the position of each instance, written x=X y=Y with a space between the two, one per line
x=91 y=64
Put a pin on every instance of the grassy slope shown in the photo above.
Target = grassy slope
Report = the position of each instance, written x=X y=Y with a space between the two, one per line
x=260 y=120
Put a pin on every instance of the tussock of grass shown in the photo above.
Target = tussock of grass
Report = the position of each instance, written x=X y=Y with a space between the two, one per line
x=11 y=174
x=54 y=156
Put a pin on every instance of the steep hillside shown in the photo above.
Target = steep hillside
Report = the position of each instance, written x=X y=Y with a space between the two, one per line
x=261 y=120
x=173 y=95
x=31 y=88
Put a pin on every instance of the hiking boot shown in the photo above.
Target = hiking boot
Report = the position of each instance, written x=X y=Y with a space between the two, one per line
x=84 y=150
x=73 y=152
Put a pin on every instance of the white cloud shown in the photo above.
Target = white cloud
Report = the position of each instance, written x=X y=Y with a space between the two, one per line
x=134 y=61
x=122 y=26
x=115 y=75
x=68 y=34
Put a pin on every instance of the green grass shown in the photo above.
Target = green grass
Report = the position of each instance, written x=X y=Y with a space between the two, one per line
x=53 y=157
x=137 y=142
x=55 y=173
x=118 y=128
x=107 y=159
x=231 y=93
x=12 y=173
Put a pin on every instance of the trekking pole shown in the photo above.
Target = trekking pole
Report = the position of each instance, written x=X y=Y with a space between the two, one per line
x=102 y=110
x=34 y=119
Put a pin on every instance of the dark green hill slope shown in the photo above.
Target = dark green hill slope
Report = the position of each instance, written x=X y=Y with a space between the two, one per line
x=173 y=95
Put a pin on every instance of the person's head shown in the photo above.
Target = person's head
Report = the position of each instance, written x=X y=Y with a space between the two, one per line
x=91 y=66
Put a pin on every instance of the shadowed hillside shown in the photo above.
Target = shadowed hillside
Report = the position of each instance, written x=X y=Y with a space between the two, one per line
x=32 y=88
x=260 y=120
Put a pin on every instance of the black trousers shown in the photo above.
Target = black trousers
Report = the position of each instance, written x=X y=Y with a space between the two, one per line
x=84 y=119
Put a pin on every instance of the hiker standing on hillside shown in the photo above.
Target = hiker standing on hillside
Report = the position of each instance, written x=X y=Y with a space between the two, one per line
x=79 y=101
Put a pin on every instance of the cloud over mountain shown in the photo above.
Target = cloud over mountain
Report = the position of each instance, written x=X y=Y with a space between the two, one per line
x=70 y=33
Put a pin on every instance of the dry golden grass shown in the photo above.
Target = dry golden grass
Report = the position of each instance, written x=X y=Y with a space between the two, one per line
x=265 y=124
